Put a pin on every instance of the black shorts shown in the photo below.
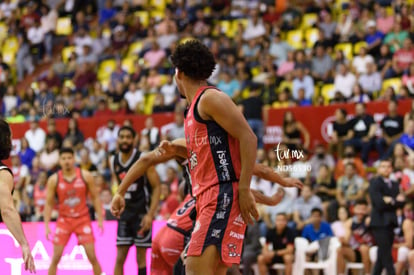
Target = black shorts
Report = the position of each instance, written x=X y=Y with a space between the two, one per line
x=127 y=233
x=277 y=260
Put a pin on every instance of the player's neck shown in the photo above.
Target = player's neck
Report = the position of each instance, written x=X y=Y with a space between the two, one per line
x=126 y=155
x=192 y=88
x=70 y=173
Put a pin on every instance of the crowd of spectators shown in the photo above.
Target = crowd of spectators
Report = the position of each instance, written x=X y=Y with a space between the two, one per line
x=114 y=60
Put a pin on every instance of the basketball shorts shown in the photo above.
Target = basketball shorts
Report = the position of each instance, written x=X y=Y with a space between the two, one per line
x=127 y=233
x=166 y=250
x=219 y=223
x=81 y=226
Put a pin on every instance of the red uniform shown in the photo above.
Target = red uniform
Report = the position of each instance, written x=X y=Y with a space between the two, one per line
x=73 y=210
x=215 y=165
x=170 y=240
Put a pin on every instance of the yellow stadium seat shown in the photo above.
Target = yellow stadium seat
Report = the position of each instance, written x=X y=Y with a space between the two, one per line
x=391 y=82
x=107 y=33
x=105 y=84
x=326 y=92
x=255 y=71
x=149 y=103
x=226 y=28
x=185 y=39
x=106 y=68
x=158 y=15
x=339 y=4
x=64 y=26
x=207 y=11
x=285 y=84
x=346 y=48
x=358 y=46
x=11 y=44
x=294 y=38
x=9 y=57
x=309 y=20
x=390 y=11
x=135 y=48
x=69 y=83
x=128 y=64
x=67 y=52
x=158 y=4
x=163 y=79
x=311 y=36
x=236 y=22
x=143 y=17
x=4 y=29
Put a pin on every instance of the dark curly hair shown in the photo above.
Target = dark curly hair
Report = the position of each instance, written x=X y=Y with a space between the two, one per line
x=194 y=59
x=5 y=140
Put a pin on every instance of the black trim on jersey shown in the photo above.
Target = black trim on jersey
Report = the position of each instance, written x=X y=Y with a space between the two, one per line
x=181 y=231
x=219 y=146
x=6 y=168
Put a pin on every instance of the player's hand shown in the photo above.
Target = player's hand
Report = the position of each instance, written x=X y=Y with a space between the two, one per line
x=146 y=224
x=47 y=233
x=387 y=199
x=166 y=148
x=117 y=205
x=278 y=196
x=293 y=182
x=247 y=205
x=28 y=259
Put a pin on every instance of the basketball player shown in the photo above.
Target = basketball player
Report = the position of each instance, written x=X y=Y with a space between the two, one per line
x=179 y=226
x=71 y=186
x=8 y=213
x=221 y=152
x=141 y=202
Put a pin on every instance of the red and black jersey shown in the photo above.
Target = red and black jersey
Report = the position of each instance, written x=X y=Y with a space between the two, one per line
x=213 y=155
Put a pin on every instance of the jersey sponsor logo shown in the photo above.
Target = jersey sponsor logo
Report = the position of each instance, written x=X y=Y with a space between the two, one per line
x=215 y=140
x=79 y=183
x=233 y=250
x=236 y=235
x=87 y=229
x=197 y=227
x=193 y=160
x=223 y=172
x=72 y=201
x=238 y=220
x=226 y=201
x=199 y=140
x=216 y=233
x=220 y=215
x=122 y=175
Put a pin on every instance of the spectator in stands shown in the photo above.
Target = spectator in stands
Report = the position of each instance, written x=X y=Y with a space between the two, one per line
x=279 y=49
x=403 y=241
x=344 y=81
x=279 y=247
x=167 y=24
x=358 y=95
x=373 y=38
x=155 y=56
x=295 y=135
x=31 y=16
x=371 y=81
x=85 y=162
x=407 y=138
x=80 y=39
x=4 y=71
x=410 y=114
x=119 y=40
x=401 y=59
x=340 y=132
x=74 y=134
x=84 y=78
x=349 y=157
x=135 y=97
x=21 y=173
x=303 y=205
x=384 y=22
x=10 y=100
x=362 y=131
x=88 y=55
x=396 y=37
x=316 y=229
x=252 y=108
x=39 y=196
x=287 y=66
x=384 y=60
x=35 y=136
x=328 y=26
x=7 y=8
x=118 y=75
x=325 y=188
x=302 y=100
x=305 y=81
x=97 y=156
x=49 y=157
x=169 y=90
x=357 y=240
x=107 y=13
x=151 y=132
x=255 y=27
x=229 y=85
x=321 y=158
x=392 y=126
x=338 y=226
x=53 y=133
x=301 y=167
x=176 y=129
x=322 y=66
x=360 y=61
x=340 y=59
x=408 y=79
x=26 y=154
x=159 y=104
x=48 y=23
x=301 y=62
x=107 y=135
x=350 y=187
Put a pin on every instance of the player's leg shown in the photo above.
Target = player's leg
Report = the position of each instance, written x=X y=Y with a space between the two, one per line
x=344 y=254
x=288 y=261
x=364 y=251
x=121 y=254
x=263 y=261
x=57 y=254
x=141 y=260
x=206 y=263
x=163 y=261
x=142 y=243
x=90 y=253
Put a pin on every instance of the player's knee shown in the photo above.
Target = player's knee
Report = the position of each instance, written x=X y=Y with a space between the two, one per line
x=260 y=259
x=340 y=252
x=288 y=259
x=55 y=260
x=364 y=249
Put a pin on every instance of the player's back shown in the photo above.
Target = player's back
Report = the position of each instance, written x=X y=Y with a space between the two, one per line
x=214 y=155
x=72 y=195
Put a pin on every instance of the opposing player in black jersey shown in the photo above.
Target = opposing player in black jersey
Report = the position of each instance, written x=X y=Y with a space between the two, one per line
x=141 y=201
x=8 y=213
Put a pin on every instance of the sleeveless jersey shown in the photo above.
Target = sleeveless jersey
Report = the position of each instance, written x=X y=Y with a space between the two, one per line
x=360 y=234
x=180 y=219
x=213 y=155
x=398 y=231
x=4 y=167
x=138 y=195
x=72 y=195
x=39 y=196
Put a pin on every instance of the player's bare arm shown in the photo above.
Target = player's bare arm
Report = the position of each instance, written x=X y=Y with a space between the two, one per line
x=154 y=180
x=90 y=183
x=12 y=219
x=220 y=108
x=267 y=173
x=50 y=202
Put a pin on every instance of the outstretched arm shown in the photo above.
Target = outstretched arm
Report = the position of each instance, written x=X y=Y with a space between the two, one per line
x=12 y=219
x=273 y=200
x=267 y=173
